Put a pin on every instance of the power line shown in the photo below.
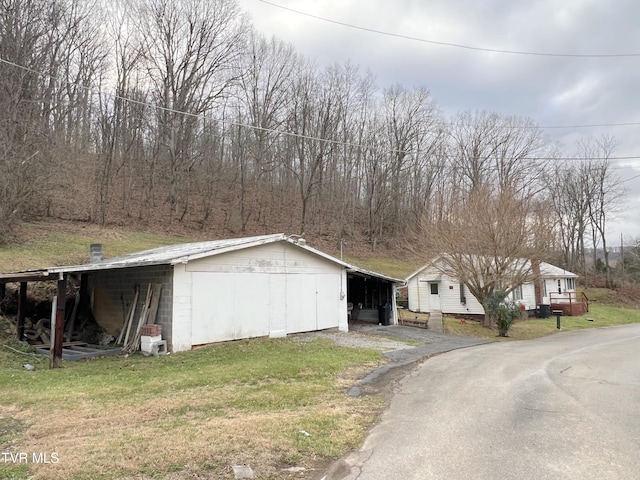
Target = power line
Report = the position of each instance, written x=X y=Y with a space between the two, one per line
x=295 y=134
x=170 y=110
x=629 y=179
x=450 y=44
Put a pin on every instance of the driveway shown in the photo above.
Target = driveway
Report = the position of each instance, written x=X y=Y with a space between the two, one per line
x=565 y=406
x=403 y=346
x=420 y=345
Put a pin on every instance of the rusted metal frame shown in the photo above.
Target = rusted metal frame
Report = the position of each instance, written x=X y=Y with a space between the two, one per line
x=55 y=358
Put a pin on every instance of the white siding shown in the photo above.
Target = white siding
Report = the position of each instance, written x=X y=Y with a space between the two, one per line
x=181 y=317
x=413 y=294
x=272 y=289
x=418 y=291
x=451 y=299
x=529 y=296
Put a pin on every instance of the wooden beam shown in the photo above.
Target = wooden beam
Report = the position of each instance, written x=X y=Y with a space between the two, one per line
x=55 y=360
x=40 y=276
x=22 y=308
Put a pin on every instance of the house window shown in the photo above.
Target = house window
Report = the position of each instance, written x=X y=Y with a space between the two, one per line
x=570 y=283
x=434 y=288
x=463 y=299
x=516 y=294
x=544 y=288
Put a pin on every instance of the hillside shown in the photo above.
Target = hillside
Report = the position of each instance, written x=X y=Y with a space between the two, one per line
x=46 y=243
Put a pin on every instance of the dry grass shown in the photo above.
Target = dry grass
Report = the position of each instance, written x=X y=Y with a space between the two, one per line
x=190 y=415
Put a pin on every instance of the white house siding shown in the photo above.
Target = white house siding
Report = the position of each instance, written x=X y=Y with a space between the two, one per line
x=449 y=289
x=413 y=295
x=528 y=296
x=451 y=299
x=418 y=289
x=550 y=287
x=272 y=289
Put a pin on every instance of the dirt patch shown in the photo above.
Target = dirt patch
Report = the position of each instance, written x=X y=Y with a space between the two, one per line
x=11 y=429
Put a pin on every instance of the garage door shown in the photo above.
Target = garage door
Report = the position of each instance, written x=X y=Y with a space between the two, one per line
x=229 y=306
x=232 y=306
x=312 y=302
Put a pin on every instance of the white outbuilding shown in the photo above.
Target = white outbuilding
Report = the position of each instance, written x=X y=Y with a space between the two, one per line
x=270 y=285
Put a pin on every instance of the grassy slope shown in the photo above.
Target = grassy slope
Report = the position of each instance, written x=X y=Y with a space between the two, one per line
x=46 y=244
x=197 y=412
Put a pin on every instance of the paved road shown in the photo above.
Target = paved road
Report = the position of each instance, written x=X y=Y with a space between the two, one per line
x=560 y=407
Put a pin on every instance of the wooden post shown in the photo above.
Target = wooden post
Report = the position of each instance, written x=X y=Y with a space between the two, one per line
x=55 y=360
x=3 y=292
x=22 y=308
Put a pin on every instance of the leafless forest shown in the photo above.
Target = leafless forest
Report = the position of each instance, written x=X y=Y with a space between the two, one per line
x=157 y=112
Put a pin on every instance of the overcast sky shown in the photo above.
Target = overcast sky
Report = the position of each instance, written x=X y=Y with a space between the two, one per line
x=554 y=91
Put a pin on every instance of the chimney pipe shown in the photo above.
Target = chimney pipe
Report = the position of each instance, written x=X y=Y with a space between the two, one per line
x=95 y=253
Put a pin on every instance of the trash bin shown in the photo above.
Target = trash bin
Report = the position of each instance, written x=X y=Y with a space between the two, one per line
x=544 y=311
x=383 y=315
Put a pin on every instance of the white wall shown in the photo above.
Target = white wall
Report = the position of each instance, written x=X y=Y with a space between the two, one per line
x=418 y=291
x=181 y=318
x=272 y=289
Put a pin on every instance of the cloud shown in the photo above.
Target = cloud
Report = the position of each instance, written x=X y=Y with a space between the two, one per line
x=551 y=90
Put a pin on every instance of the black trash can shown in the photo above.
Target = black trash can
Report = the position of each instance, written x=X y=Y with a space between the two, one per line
x=544 y=311
x=383 y=315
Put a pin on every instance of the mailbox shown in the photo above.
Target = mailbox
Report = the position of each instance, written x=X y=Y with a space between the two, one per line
x=558 y=314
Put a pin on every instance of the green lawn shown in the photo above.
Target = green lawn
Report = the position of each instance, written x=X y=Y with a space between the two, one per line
x=601 y=316
x=200 y=411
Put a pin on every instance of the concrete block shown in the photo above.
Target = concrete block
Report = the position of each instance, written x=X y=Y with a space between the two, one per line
x=159 y=348
x=243 y=471
x=150 y=339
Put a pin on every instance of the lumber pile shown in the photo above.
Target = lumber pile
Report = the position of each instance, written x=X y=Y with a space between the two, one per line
x=136 y=319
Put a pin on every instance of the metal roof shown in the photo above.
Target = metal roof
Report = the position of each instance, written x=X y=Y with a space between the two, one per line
x=551 y=271
x=183 y=253
x=546 y=270
x=172 y=254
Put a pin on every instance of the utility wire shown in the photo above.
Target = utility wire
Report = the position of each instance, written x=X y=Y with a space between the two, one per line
x=450 y=44
x=170 y=110
x=295 y=134
x=629 y=179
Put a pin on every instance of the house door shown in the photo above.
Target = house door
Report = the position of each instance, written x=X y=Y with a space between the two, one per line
x=434 y=296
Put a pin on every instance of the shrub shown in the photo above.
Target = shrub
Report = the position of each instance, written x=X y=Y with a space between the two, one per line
x=505 y=313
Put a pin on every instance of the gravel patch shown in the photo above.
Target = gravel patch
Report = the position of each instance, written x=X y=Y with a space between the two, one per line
x=356 y=339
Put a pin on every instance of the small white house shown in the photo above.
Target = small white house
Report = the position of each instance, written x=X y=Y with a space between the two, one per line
x=431 y=290
x=270 y=285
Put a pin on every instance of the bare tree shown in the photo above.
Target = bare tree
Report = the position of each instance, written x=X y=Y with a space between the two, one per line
x=121 y=117
x=191 y=49
x=489 y=241
x=569 y=191
x=605 y=192
x=314 y=117
x=492 y=222
x=264 y=92
x=504 y=151
x=38 y=110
